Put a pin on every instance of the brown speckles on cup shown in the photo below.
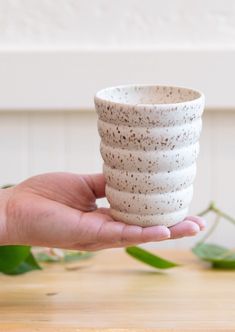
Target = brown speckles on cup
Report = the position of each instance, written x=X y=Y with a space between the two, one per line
x=149 y=144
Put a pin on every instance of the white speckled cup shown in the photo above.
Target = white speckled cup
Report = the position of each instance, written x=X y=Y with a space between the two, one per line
x=149 y=144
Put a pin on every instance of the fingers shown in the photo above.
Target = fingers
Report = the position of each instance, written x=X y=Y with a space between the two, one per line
x=96 y=182
x=155 y=233
x=135 y=234
x=118 y=234
x=184 y=228
x=198 y=220
x=188 y=227
x=112 y=234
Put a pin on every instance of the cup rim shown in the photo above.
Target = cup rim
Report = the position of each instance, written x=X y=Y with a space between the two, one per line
x=97 y=96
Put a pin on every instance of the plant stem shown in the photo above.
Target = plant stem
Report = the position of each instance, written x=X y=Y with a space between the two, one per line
x=210 y=208
x=222 y=214
x=211 y=230
x=203 y=213
x=213 y=207
x=219 y=214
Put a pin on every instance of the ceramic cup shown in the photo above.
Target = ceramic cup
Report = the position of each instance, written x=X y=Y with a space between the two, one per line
x=149 y=144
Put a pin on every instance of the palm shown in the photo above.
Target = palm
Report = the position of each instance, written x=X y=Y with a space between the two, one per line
x=59 y=210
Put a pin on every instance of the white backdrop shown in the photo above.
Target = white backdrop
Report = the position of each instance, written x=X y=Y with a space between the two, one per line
x=117 y=24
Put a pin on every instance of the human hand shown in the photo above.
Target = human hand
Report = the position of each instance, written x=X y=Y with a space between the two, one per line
x=59 y=210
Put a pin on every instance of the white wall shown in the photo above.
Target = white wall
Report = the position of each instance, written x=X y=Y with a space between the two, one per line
x=115 y=24
x=32 y=142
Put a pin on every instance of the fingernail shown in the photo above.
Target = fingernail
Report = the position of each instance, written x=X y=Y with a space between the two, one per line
x=164 y=233
x=202 y=225
x=194 y=229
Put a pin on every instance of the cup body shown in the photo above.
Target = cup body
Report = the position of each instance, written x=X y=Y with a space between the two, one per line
x=149 y=144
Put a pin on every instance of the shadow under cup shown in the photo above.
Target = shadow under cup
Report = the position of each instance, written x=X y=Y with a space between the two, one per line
x=149 y=144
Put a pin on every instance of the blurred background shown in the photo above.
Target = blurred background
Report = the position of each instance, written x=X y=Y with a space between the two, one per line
x=55 y=54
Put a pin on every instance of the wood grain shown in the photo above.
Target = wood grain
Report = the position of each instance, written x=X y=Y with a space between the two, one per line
x=113 y=292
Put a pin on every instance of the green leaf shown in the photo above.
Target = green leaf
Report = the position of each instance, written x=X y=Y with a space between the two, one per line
x=29 y=264
x=17 y=260
x=220 y=257
x=12 y=256
x=149 y=258
x=76 y=256
x=69 y=256
x=208 y=252
x=225 y=264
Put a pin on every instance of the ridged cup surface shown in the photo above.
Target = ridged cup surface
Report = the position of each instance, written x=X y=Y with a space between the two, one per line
x=149 y=144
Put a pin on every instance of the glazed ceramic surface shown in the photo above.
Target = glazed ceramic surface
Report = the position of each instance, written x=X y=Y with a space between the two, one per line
x=149 y=144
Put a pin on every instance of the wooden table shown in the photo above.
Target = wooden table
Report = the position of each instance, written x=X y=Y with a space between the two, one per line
x=112 y=290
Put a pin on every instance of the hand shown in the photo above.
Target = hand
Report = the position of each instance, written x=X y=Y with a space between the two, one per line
x=59 y=210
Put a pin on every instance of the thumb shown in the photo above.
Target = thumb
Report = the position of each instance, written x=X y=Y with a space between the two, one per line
x=96 y=183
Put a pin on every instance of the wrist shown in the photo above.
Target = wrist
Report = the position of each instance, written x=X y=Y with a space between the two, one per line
x=4 y=234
